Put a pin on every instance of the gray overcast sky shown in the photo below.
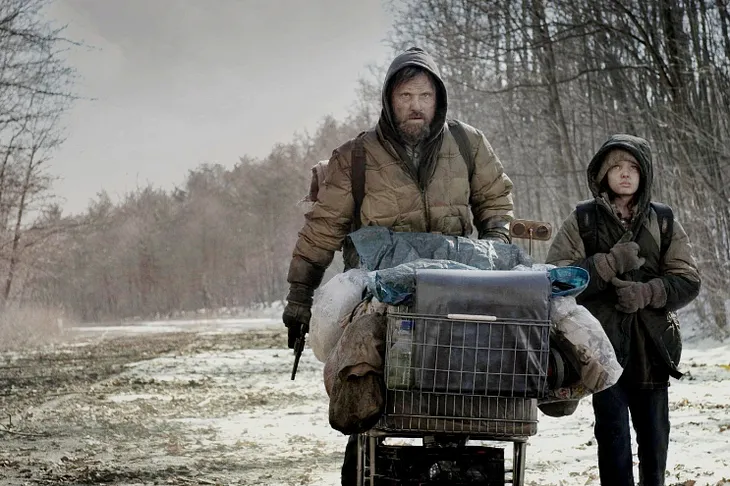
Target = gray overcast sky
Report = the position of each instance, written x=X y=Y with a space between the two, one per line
x=180 y=82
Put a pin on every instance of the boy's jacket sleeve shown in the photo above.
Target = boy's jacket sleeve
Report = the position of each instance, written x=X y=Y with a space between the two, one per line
x=679 y=270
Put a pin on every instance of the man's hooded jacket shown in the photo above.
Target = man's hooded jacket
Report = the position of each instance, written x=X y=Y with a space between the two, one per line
x=648 y=342
x=434 y=195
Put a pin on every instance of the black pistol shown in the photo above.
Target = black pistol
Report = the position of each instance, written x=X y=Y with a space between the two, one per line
x=298 y=348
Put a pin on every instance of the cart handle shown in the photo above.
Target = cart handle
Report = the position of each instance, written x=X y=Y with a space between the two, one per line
x=471 y=317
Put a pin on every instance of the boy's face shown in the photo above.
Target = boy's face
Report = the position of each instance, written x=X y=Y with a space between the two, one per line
x=624 y=178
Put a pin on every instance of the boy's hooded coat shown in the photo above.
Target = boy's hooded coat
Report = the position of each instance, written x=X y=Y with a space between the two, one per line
x=648 y=342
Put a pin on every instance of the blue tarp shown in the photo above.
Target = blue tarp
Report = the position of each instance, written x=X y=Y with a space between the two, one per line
x=397 y=285
x=381 y=248
x=392 y=259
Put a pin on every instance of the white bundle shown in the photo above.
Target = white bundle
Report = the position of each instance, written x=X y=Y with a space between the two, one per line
x=334 y=303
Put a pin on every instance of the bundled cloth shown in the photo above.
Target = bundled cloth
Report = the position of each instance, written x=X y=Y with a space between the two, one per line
x=580 y=336
x=353 y=372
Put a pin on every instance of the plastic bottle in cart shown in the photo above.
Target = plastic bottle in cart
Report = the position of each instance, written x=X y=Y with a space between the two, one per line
x=400 y=369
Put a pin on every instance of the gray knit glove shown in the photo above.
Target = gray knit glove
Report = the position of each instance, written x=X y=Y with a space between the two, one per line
x=623 y=257
x=633 y=296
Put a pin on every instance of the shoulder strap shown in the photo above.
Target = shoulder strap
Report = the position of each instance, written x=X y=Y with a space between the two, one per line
x=350 y=256
x=358 y=164
x=462 y=140
x=358 y=178
x=586 y=215
x=665 y=217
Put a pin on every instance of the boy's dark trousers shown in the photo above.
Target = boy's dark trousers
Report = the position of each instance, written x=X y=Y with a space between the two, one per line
x=650 y=416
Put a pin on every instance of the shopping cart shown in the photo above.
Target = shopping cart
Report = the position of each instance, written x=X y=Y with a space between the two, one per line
x=464 y=367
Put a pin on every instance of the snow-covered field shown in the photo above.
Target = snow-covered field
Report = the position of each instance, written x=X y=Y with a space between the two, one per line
x=228 y=413
x=562 y=453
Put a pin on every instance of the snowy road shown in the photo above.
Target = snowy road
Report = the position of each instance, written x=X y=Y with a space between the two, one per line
x=217 y=406
x=562 y=453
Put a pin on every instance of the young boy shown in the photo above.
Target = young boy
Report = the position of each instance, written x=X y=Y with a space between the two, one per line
x=641 y=268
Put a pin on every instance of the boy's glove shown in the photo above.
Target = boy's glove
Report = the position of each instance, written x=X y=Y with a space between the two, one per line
x=298 y=311
x=633 y=296
x=623 y=257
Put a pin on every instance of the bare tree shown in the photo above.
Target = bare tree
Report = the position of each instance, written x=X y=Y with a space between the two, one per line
x=550 y=79
x=34 y=93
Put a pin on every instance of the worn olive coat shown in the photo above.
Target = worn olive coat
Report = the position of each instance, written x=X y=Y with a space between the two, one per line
x=436 y=195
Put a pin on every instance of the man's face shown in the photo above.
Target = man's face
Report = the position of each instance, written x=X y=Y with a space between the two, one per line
x=414 y=106
x=624 y=178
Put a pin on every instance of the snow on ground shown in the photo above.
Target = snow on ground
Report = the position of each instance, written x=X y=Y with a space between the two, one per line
x=181 y=325
x=286 y=420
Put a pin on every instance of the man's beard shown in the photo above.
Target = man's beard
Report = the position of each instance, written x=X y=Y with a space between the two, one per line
x=414 y=134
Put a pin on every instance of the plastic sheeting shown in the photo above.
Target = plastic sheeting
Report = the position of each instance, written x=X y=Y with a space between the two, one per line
x=331 y=310
x=381 y=248
x=568 y=281
x=389 y=261
x=396 y=286
x=565 y=281
x=394 y=257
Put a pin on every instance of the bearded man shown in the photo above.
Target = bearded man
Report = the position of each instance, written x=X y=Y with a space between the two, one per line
x=417 y=178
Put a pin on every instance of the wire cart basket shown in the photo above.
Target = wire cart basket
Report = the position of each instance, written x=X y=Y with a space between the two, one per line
x=452 y=378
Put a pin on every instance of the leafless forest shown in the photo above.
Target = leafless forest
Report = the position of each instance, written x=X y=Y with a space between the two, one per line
x=547 y=81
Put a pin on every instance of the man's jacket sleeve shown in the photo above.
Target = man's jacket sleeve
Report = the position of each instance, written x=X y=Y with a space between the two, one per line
x=491 y=189
x=326 y=225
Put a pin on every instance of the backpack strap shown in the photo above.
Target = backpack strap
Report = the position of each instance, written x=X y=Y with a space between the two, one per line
x=665 y=218
x=462 y=140
x=586 y=214
x=358 y=178
x=358 y=165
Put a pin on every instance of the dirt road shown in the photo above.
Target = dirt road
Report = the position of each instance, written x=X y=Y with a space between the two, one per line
x=107 y=412
x=217 y=407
